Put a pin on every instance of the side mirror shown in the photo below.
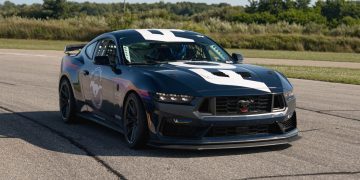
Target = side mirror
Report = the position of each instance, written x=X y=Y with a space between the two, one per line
x=237 y=58
x=102 y=60
x=116 y=69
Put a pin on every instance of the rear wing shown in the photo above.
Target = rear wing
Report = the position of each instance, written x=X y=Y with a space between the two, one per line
x=73 y=49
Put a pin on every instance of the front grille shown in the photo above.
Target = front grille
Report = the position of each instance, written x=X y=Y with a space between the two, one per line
x=261 y=129
x=232 y=105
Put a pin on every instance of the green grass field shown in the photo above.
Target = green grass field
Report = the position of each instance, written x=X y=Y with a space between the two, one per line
x=298 y=55
x=338 y=75
x=34 y=44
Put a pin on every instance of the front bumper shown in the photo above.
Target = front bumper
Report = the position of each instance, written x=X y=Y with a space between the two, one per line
x=228 y=143
x=180 y=127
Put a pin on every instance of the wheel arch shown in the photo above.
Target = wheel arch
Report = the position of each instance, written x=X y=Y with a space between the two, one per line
x=67 y=78
x=127 y=95
x=125 y=99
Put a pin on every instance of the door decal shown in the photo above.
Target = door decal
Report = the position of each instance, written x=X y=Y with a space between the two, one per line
x=96 y=88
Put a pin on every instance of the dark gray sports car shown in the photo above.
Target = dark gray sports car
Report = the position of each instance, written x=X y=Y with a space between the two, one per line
x=175 y=89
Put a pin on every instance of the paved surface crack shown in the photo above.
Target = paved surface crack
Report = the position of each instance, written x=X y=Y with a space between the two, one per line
x=326 y=113
x=306 y=174
x=71 y=141
x=6 y=83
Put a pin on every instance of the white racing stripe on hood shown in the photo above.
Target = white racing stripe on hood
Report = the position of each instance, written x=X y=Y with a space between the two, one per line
x=234 y=79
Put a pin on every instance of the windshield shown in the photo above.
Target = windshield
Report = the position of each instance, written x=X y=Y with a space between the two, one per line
x=162 y=52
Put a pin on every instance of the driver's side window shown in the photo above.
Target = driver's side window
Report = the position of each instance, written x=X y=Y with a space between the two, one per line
x=107 y=48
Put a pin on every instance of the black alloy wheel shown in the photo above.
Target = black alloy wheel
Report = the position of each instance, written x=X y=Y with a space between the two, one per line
x=67 y=102
x=135 y=128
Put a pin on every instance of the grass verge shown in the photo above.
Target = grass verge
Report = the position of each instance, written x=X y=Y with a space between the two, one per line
x=272 y=54
x=299 y=55
x=34 y=44
x=338 y=75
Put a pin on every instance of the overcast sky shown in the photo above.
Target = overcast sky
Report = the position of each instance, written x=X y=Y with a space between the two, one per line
x=233 y=2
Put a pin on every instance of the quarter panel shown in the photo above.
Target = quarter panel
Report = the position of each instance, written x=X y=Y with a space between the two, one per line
x=70 y=69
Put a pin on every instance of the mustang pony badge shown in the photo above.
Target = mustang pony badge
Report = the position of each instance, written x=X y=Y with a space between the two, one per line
x=244 y=105
x=96 y=88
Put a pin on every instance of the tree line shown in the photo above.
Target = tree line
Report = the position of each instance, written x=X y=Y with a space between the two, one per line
x=328 y=25
x=331 y=13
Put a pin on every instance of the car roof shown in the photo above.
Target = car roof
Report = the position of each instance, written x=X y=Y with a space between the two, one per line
x=132 y=32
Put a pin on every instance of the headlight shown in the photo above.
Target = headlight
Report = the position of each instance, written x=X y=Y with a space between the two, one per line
x=289 y=95
x=173 y=98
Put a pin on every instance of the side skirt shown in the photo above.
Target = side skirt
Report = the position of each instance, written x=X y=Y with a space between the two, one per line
x=97 y=120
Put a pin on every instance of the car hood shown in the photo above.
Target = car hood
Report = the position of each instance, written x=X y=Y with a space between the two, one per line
x=212 y=78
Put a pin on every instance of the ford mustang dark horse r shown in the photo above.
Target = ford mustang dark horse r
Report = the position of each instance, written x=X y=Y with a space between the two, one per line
x=175 y=89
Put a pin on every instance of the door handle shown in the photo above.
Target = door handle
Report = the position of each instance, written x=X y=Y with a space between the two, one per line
x=85 y=72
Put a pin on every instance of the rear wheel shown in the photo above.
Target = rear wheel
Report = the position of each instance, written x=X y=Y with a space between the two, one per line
x=135 y=128
x=67 y=102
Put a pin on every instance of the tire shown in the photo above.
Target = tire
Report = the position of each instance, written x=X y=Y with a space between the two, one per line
x=135 y=124
x=67 y=102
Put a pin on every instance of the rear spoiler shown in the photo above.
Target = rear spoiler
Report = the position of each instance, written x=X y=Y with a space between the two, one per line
x=69 y=49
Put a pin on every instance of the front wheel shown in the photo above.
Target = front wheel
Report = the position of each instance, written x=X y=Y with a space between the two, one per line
x=135 y=128
x=67 y=102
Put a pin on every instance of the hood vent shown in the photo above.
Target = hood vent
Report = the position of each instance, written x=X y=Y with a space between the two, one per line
x=201 y=63
x=245 y=75
x=219 y=73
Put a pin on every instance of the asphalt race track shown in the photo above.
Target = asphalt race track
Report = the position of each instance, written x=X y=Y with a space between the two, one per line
x=36 y=144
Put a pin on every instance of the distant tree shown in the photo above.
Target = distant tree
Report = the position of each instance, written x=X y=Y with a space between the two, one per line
x=31 y=11
x=289 y=4
x=252 y=7
x=55 y=8
x=319 y=4
x=302 y=4
x=332 y=9
x=8 y=9
x=272 y=6
x=351 y=8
